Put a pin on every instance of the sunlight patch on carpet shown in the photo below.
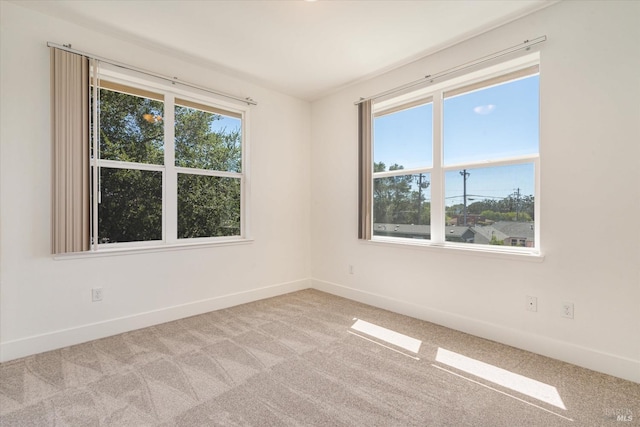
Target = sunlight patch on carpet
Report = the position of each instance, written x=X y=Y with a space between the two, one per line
x=392 y=337
x=525 y=385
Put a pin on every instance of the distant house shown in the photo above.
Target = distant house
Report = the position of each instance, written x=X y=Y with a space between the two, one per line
x=459 y=233
x=455 y=233
x=484 y=235
x=407 y=231
x=472 y=219
x=517 y=233
x=503 y=232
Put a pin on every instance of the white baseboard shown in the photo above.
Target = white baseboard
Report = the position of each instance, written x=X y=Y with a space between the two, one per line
x=621 y=367
x=62 y=338
x=610 y=364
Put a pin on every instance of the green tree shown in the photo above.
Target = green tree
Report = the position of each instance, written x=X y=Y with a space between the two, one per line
x=207 y=205
x=506 y=216
x=398 y=200
x=481 y=206
x=495 y=241
x=130 y=205
x=197 y=146
x=131 y=128
x=514 y=207
x=391 y=196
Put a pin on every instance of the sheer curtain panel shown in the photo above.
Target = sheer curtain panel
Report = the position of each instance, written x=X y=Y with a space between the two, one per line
x=70 y=191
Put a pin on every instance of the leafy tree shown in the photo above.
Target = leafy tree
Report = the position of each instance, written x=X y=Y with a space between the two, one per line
x=483 y=205
x=131 y=128
x=199 y=147
x=207 y=205
x=506 y=216
x=397 y=200
x=514 y=207
x=131 y=205
x=495 y=241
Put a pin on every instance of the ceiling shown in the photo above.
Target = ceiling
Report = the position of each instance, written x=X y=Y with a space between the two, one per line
x=302 y=48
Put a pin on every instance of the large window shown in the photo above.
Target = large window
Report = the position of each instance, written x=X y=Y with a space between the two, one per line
x=457 y=164
x=166 y=168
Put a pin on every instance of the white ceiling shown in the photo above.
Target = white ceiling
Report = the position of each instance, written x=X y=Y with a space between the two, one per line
x=305 y=49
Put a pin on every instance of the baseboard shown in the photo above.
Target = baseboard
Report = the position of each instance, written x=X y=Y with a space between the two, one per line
x=62 y=338
x=610 y=364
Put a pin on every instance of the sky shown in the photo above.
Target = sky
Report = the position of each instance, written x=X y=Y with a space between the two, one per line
x=492 y=123
x=230 y=123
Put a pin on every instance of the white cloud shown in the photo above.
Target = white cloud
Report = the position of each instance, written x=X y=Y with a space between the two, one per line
x=484 y=109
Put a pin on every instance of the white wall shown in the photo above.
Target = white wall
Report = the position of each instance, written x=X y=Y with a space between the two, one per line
x=590 y=206
x=46 y=303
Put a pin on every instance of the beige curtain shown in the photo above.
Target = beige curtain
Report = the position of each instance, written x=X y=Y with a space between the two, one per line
x=70 y=192
x=365 y=170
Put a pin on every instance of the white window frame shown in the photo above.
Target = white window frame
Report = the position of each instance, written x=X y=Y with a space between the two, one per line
x=435 y=93
x=169 y=170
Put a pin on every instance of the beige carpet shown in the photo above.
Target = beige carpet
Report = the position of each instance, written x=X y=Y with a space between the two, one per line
x=295 y=360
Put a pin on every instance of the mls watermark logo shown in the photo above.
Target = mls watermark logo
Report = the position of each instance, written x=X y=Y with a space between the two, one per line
x=623 y=415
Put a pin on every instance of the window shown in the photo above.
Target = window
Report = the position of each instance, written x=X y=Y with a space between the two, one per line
x=167 y=167
x=403 y=141
x=208 y=159
x=456 y=164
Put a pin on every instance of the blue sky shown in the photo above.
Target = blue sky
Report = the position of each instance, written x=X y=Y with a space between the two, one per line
x=497 y=122
x=405 y=138
x=230 y=123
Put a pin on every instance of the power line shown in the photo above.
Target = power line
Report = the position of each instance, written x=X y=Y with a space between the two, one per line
x=483 y=197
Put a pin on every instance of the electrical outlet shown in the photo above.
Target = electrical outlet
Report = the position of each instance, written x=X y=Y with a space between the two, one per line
x=567 y=310
x=532 y=303
x=96 y=294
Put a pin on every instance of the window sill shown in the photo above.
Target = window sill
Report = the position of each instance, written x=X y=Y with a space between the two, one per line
x=130 y=250
x=460 y=248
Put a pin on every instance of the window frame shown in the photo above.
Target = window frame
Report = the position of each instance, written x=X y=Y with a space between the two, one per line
x=435 y=93
x=168 y=168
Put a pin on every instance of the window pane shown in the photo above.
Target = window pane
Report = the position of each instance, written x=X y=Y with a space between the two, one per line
x=130 y=208
x=131 y=128
x=404 y=138
x=491 y=205
x=208 y=206
x=402 y=206
x=496 y=122
x=207 y=140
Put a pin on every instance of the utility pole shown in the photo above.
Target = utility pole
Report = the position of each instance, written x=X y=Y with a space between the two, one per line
x=517 y=203
x=465 y=175
x=420 y=186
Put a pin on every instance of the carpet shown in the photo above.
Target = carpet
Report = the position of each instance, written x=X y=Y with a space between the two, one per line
x=304 y=359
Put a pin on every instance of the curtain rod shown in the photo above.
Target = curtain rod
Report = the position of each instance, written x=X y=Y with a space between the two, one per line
x=173 y=80
x=526 y=45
